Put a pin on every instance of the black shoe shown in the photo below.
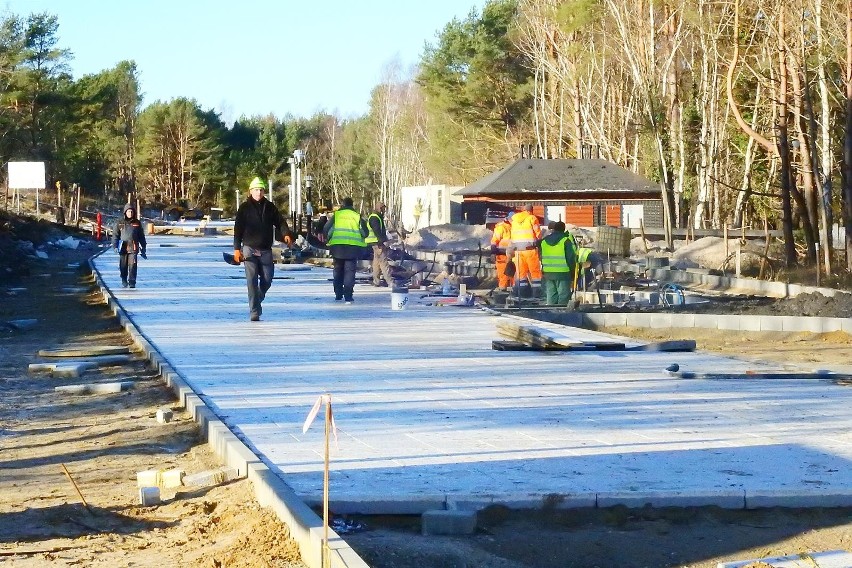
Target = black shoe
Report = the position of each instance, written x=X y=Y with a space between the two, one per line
x=338 y=298
x=254 y=317
x=124 y=283
x=348 y=301
x=133 y=285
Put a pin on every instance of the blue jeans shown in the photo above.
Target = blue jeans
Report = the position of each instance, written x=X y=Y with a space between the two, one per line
x=260 y=268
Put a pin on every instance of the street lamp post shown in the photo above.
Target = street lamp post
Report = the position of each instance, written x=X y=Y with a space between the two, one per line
x=296 y=163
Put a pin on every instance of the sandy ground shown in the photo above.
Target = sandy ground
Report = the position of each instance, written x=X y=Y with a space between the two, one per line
x=104 y=440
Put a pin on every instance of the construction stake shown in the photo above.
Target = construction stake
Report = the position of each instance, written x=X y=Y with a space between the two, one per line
x=77 y=489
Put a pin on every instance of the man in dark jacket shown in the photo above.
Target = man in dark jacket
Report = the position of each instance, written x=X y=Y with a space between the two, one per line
x=558 y=262
x=257 y=225
x=377 y=238
x=128 y=240
x=346 y=232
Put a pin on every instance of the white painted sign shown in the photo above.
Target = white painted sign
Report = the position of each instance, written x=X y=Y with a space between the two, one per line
x=26 y=175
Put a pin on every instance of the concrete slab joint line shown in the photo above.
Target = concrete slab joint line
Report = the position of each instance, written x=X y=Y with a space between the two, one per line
x=292 y=511
x=240 y=379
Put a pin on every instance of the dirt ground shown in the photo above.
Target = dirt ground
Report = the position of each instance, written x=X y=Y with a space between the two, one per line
x=103 y=440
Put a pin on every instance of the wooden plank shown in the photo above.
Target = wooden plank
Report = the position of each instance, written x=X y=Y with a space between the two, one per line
x=667 y=346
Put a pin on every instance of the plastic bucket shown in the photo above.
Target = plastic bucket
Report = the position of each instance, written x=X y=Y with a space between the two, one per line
x=399 y=298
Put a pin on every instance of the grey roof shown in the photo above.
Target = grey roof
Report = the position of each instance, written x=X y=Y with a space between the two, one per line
x=560 y=176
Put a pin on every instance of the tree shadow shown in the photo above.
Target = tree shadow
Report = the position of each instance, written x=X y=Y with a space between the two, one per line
x=72 y=520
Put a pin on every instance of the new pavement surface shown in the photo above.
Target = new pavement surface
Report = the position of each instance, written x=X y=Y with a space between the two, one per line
x=427 y=413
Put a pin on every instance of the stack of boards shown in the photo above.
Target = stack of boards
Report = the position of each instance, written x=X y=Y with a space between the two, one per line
x=533 y=338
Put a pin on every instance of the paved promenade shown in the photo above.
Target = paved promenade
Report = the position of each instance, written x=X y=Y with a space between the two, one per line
x=427 y=412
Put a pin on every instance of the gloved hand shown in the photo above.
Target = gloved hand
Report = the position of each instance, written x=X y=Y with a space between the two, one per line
x=144 y=255
x=238 y=255
x=288 y=240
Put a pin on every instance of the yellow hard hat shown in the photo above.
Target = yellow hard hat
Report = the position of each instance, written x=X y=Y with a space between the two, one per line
x=257 y=183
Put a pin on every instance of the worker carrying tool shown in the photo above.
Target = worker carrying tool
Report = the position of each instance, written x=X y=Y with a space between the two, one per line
x=558 y=265
x=257 y=224
x=500 y=241
x=587 y=260
x=526 y=234
x=377 y=237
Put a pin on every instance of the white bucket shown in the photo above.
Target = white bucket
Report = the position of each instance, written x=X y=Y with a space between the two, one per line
x=399 y=298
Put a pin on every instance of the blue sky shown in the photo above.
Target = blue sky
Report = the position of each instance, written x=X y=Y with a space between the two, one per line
x=251 y=57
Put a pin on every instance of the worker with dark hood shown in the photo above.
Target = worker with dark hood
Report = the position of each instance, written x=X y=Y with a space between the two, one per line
x=128 y=240
x=500 y=241
x=377 y=238
x=257 y=225
x=558 y=263
x=346 y=232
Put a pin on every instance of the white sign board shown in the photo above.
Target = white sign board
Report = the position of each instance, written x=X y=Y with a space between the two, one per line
x=26 y=175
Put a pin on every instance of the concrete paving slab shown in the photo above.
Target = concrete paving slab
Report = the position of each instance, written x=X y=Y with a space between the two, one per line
x=426 y=410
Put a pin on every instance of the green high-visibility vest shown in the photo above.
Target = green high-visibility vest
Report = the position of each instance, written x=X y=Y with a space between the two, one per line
x=583 y=254
x=371 y=236
x=346 y=229
x=553 y=256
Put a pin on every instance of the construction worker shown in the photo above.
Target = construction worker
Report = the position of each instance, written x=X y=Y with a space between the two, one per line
x=377 y=237
x=128 y=240
x=586 y=258
x=500 y=240
x=257 y=224
x=346 y=232
x=558 y=265
x=526 y=234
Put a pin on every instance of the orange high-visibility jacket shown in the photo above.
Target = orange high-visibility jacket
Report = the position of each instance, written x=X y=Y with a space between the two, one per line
x=502 y=236
x=525 y=230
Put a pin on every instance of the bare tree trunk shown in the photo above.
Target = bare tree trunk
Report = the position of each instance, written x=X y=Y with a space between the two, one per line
x=781 y=147
x=826 y=149
x=847 y=142
x=809 y=195
x=782 y=143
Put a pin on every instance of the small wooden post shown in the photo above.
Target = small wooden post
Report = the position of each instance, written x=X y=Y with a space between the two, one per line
x=817 y=265
x=77 y=204
x=739 y=255
x=77 y=489
x=765 y=248
x=725 y=238
x=326 y=562
x=642 y=230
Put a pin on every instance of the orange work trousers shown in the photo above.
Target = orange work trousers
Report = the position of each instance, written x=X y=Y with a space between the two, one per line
x=503 y=281
x=529 y=264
